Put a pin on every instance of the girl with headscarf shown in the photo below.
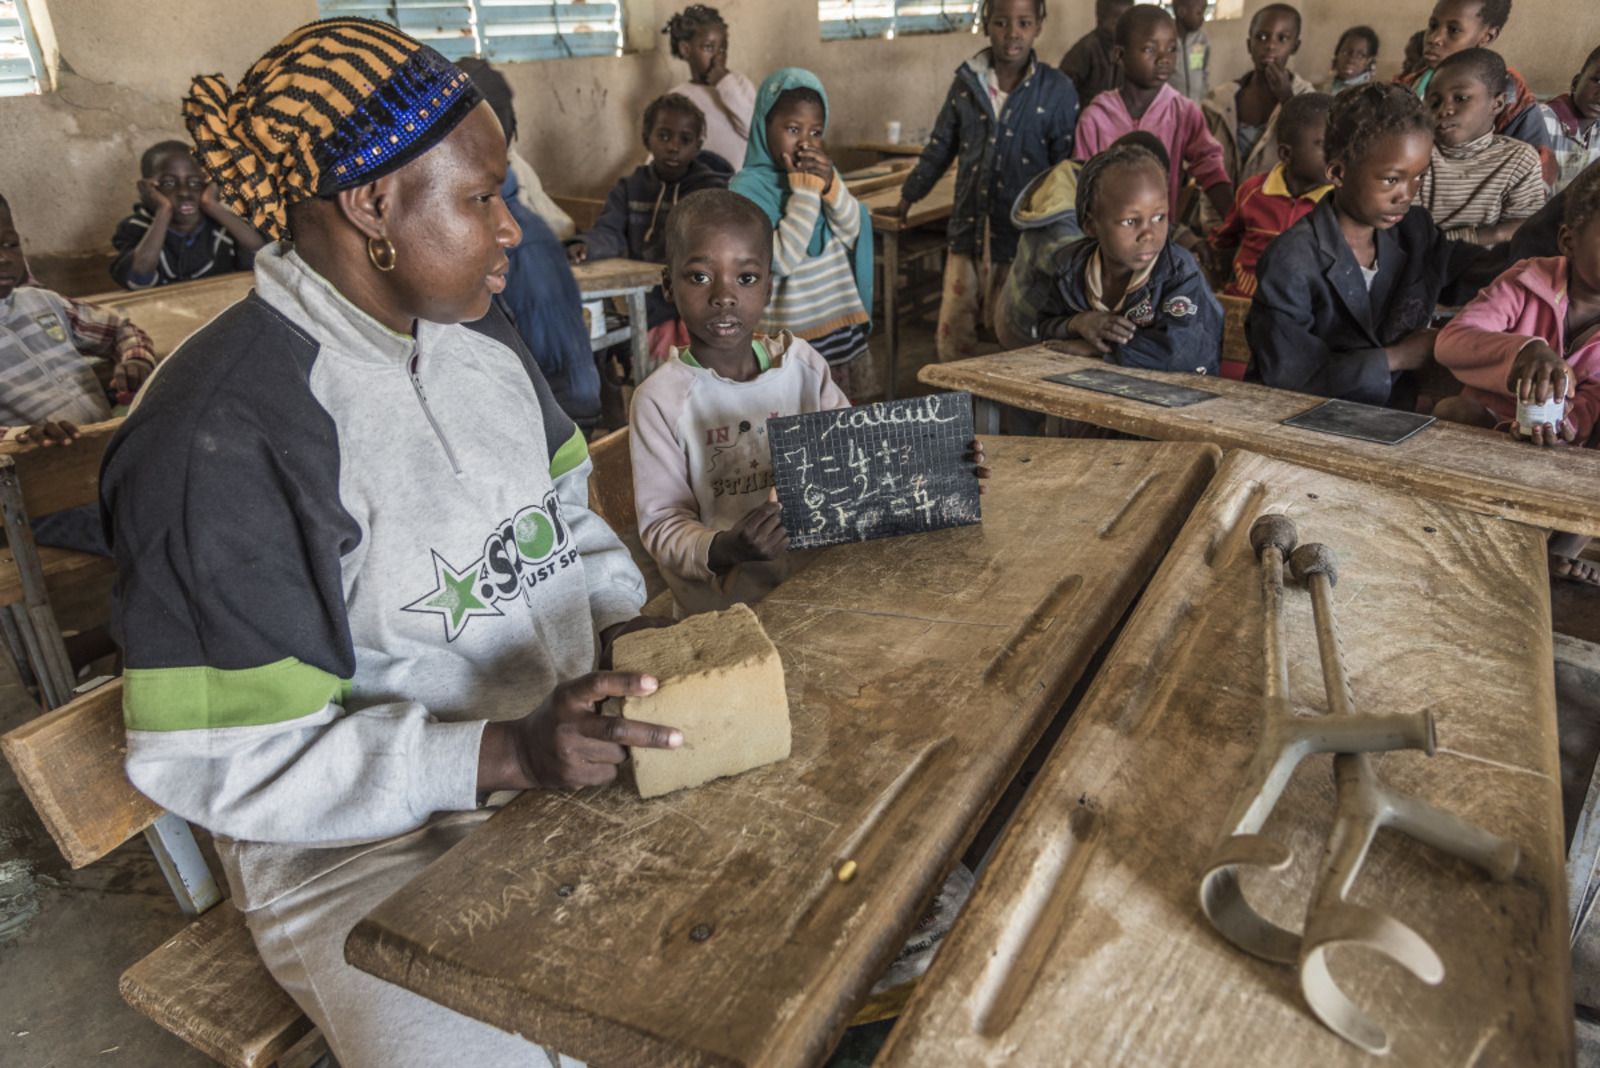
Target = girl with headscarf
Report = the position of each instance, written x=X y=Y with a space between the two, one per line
x=822 y=237
x=352 y=535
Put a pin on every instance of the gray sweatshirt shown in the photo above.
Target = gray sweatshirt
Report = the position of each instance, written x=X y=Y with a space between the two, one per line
x=340 y=551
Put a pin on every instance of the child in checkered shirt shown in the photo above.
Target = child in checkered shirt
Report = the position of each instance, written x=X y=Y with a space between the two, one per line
x=1573 y=122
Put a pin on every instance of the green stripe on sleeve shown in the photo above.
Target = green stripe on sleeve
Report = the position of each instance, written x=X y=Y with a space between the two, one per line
x=570 y=455
x=205 y=698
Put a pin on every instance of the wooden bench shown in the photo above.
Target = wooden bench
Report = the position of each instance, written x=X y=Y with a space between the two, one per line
x=611 y=498
x=206 y=985
x=582 y=210
x=38 y=481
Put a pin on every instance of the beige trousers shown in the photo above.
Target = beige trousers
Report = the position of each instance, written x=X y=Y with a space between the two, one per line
x=972 y=289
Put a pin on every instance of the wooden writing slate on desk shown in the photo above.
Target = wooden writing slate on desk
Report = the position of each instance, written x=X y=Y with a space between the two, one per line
x=875 y=471
x=1166 y=394
x=1347 y=419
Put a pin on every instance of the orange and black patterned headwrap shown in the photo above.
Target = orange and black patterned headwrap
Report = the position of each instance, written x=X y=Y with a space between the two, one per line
x=334 y=105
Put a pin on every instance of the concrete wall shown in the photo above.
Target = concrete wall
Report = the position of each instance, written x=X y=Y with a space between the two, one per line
x=71 y=155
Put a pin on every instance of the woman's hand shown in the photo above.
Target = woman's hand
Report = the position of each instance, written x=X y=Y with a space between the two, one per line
x=566 y=744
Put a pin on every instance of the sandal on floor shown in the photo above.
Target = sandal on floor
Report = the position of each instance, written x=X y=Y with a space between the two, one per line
x=1574 y=569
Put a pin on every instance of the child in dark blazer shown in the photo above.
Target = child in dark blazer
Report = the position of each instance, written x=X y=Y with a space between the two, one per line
x=1346 y=295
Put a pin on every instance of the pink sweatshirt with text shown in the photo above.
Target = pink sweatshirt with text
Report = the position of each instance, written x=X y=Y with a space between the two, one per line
x=1526 y=303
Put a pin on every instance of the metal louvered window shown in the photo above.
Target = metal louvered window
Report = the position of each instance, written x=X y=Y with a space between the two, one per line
x=842 y=19
x=502 y=31
x=20 y=65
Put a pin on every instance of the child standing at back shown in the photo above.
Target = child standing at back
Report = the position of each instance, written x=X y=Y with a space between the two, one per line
x=699 y=37
x=1572 y=120
x=1481 y=186
x=180 y=230
x=1243 y=114
x=1091 y=63
x=1355 y=59
x=1534 y=334
x=1345 y=296
x=1193 y=79
x=1008 y=119
x=822 y=236
x=1147 y=49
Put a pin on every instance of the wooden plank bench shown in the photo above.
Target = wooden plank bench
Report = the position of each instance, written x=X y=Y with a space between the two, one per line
x=920 y=673
x=1470 y=468
x=1084 y=942
x=611 y=498
x=206 y=985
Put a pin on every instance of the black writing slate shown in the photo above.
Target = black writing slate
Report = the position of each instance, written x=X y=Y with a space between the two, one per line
x=1348 y=419
x=1166 y=394
x=875 y=471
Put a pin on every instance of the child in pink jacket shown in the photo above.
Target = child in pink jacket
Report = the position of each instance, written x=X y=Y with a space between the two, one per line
x=1535 y=332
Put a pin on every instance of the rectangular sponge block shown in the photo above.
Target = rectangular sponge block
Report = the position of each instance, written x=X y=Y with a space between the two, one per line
x=721 y=685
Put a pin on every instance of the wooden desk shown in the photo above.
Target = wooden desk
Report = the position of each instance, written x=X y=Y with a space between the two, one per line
x=707 y=927
x=631 y=280
x=169 y=314
x=1097 y=879
x=889 y=148
x=1475 y=469
x=886 y=225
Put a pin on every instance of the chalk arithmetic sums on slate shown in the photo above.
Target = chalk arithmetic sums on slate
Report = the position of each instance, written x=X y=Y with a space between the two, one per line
x=875 y=471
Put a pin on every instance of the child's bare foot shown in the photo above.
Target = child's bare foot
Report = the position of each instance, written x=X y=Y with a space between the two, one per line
x=1566 y=561
x=1574 y=569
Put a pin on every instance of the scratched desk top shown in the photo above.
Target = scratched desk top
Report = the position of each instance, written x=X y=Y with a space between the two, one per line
x=1475 y=469
x=169 y=314
x=1084 y=943
x=707 y=927
x=597 y=276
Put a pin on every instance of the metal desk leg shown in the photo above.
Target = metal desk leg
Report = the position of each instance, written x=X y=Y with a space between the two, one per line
x=182 y=863
x=891 y=321
x=639 y=335
x=986 y=415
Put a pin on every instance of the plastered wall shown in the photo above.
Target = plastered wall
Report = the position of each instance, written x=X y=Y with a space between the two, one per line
x=70 y=156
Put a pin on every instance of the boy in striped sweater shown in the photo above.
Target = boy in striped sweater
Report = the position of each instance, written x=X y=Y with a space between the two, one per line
x=1482 y=185
x=822 y=237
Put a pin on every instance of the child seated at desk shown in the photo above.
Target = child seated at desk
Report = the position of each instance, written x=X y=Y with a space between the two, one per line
x=1482 y=186
x=1572 y=121
x=1127 y=293
x=822 y=236
x=633 y=222
x=1005 y=120
x=1045 y=217
x=702 y=471
x=47 y=385
x=1457 y=25
x=699 y=37
x=1534 y=333
x=1270 y=203
x=1345 y=296
x=1147 y=49
x=179 y=231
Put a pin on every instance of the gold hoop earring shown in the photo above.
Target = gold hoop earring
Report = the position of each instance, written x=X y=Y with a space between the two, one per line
x=380 y=250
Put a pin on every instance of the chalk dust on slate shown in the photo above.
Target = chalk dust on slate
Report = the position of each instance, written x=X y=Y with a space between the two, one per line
x=875 y=471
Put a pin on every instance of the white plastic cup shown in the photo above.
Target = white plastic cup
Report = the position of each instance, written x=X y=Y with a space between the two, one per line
x=893 y=133
x=1530 y=414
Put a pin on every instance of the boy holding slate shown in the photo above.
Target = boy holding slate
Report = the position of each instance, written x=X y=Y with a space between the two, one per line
x=702 y=472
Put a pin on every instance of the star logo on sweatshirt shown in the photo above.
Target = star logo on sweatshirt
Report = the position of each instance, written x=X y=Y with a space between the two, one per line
x=454 y=597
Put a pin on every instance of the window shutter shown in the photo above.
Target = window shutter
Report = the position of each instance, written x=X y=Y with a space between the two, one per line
x=499 y=30
x=20 y=64
x=893 y=18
